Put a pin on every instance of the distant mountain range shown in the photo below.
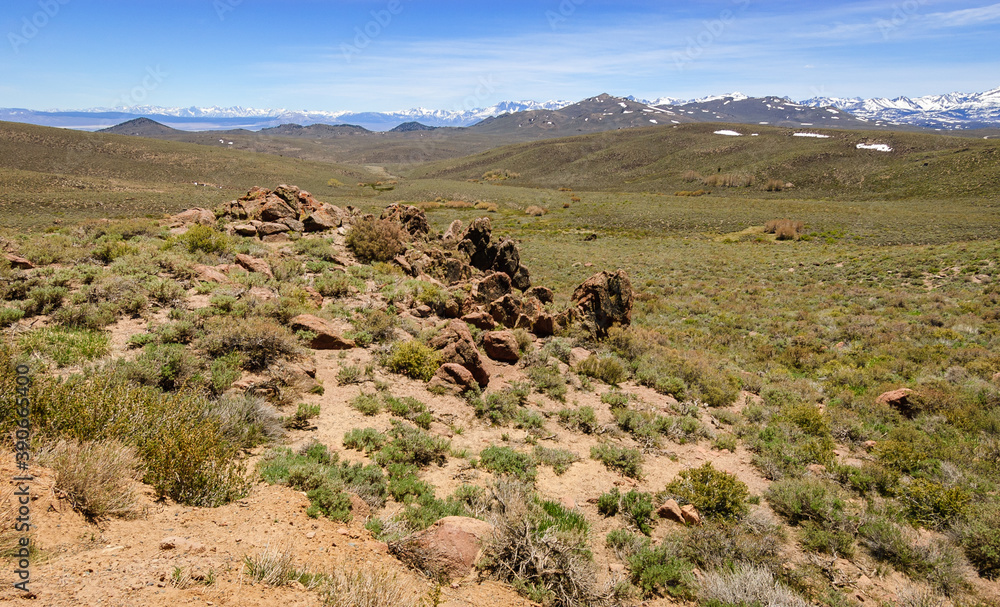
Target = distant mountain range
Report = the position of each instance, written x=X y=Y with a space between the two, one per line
x=949 y=111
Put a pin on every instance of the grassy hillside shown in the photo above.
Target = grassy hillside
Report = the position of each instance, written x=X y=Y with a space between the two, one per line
x=657 y=158
x=48 y=174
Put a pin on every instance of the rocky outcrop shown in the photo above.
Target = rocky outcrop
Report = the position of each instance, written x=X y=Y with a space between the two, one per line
x=326 y=335
x=448 y=549
x=457 y=346
x=413 y=219
x=487 y=256
x=602 y=301
x=268 y=214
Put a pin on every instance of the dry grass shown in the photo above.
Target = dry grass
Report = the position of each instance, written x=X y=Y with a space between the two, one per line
x=489 y=207
x=691 y=176
x=373 y=239
x=747 y=585
x=352 y=586
x=535 y=211
x=691 y=193
x=774 y=185
x=273 y=566
x=98 y=477
x=729 y=180
x=784 y=229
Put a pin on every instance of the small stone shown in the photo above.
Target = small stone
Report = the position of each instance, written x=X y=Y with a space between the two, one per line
x=311 y=535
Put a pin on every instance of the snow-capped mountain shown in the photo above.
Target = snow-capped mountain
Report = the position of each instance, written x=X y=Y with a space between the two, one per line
x=203 y=118
x=951 y=111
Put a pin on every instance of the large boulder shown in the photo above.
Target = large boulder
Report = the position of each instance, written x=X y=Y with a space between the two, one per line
x=254 y=264
x=502 y=346
x=604 y=300
x=457 y=346
x=276 y=208
x=493 y=286
x=321 y=220
x=447 y=550
x=18 y=262
x=454 y=378
x=327 y=337
x=502 y=256
x=476 y=241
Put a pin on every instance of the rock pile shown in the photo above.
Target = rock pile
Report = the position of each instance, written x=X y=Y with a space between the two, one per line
x=272 y=214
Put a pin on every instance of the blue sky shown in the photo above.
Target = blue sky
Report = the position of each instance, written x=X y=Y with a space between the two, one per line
x=397 y=54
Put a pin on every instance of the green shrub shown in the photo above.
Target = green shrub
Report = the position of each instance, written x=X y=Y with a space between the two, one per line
x=582 y=418
x=409 y=409
x=616 y=399
x=413 y=359
x=372 y=239
x=559 y=459
x=801 y=500
x=223 y=371
x=85 y=316
x=44 y=300
x=336 y=284
x=625 y=544
x=260 y=342
x=410 y=445
x=65 y=346
x=622 y=459
x=608 y=369
x=978 y=537
x=638 y=509
x=168 y=367
x=714 y=493
x=506 y=461
x=9 y=316
x=932 y=504
x=368 y=440
x=721 y=544
x=609 y=503
x=657 y=571
x=204 y=239
x=499 y=408
x=548 y=380
x=327 y=501
x=300 y=420
x=368 y=404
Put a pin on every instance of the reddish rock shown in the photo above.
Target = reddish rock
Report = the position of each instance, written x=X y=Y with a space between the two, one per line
x=456 y=346
x=492 y=287
x=454 y=378
x=281 y=237
x=293 y=224
x=243 y=229
x=604 y=300
x=542 y=294
x=690 y=514
x=263 y=294
x=413 y=219
x=315 y=297
x=501 y=345
x=453 y=270
x=902 y=400
x=506 y=311
x=448 y=549
x=544 y=325
x=191 y=217
x=253 y=264
x=327 y=336
x=480 y=320
x=671 y=510
x=869 y=444
x=209 y=274
x=18 y=262
x=275 y=208
x=269 y=228
x=320 y=221
x=816 y=469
